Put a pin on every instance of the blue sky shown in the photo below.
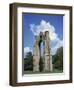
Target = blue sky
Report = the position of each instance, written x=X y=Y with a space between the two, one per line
x=31 y=21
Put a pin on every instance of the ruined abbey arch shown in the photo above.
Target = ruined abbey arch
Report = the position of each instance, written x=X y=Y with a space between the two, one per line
x=47 y=58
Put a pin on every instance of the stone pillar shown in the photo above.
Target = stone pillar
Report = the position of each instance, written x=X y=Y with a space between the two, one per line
x=36 y=55
x=51 y=65
x=47 y=52
x=44 y=55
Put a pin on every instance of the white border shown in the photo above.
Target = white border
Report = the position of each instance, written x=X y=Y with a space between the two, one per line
x=43 y=77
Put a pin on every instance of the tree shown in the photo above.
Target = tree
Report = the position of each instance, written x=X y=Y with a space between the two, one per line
x=28 y=61
x=58 y=59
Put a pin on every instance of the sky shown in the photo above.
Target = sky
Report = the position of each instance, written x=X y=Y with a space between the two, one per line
x=34 y=23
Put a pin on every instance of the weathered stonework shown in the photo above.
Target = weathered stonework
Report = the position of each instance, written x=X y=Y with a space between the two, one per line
x=47 y=61
x=36 y=55
x=47 y=53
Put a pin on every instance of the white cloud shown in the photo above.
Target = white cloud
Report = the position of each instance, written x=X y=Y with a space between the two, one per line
x=26 y=50
x=42 y=27
x=46 y=26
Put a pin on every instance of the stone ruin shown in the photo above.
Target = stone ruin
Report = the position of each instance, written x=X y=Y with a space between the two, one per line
x=47 y=58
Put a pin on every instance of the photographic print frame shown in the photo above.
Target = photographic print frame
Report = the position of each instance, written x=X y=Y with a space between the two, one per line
x=15 y=31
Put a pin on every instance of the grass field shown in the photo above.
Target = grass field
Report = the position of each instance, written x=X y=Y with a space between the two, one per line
x=54 y=71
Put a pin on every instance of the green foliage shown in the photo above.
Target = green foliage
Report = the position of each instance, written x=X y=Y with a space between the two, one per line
x=58 y=59
x=28 y=62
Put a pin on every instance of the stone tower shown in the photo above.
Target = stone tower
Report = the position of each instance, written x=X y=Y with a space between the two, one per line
x=47 y=61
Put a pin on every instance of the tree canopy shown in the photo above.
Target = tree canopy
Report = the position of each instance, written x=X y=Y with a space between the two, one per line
x=58 y=59
x=28 y=61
